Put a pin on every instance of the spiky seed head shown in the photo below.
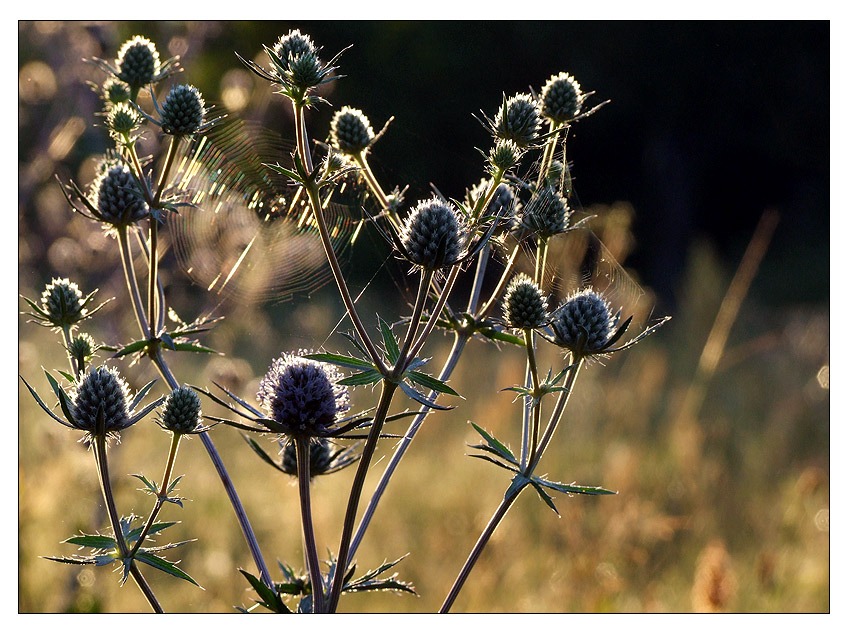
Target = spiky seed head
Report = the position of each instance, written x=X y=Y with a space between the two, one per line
x=101 y=391
x=293 y=44
x=504 y=155
x=320 y=457
x=350 y=131
x=181 y=413
x=63 y=302
x=183 y=111
x=521 y=123
x=82 y=348
x=524 y=305
x=305 y=70
x=302 y=395
x=138 y=62
x=122 y=120
x=546 y=213
x=561 y=98
x=583 y=323
x=117 y=197
x=334 y=161
x=433 y=235
x=115 y=91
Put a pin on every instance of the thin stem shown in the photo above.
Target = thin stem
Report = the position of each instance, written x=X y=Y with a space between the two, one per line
x=303 y=477
x=112 y=510
x=163 y=492
x=376 y=189
x=76 y=369
x=356 y=492
x=548 y=156
x=562 y=401
x=153 y=267
x=487 y=533
x=300 y=135
x=241 y=515
x=479 y=274
x=415 y=320
x=132 y=282
x=529 y=344
x=169 y=161
x=448 y=367
x=437 y=310
x=496 y=294
x=541 y=261
x=160 y=322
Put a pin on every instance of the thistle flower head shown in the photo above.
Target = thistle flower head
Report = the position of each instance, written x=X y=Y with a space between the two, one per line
x=302 y=396
x=504 y=155
x=433 y=235
x=350 y=131
x=292 y=45
x=82 y=348
x=181 y=413
x=518 y=120
x=584 y=323
x=503 y=203
x=561 y=98
x=524 y=305
x=138 y=62
x=115 y=91
x=62 y=302
x=547 y=213
x=116 y=196
x=122 y=120
x=101 y=401
x=183 y=111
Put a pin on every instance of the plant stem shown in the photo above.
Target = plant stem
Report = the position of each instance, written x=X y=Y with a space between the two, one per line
x=562 y=401
x=303 y=477
x=375 y=187
x=356 y=492
x=536 y=408
x=487 y=533
x=496 y=294
x=449 y=365
x=68 y=337
x=437 y=310
x=548 y=156
x=415 y=320
x=132 y=282
x=241 y=515
x=479 y=274
x=163 y=492
x=111 y=509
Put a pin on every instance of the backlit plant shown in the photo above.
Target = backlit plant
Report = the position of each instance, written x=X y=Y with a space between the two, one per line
x=521 y=203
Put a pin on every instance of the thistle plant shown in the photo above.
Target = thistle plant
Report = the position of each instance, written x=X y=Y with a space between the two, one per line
x=519 y=205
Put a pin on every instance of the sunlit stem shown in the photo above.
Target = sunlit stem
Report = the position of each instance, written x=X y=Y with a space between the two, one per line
x=160 y=323
x=479 y=274
x=414 y=322
x=303 y=465
x=388 y=391
x=76 y=368
x=548 y=155
x=163 y=491
x=499 y=289
x=480 y=207
x=241 y=515
x=447 y=369
x=434 y=316
x=132 y=282
x=112 y=510
x=377 y=190
x=318 y=211
x=535 y=398
x=562 y=401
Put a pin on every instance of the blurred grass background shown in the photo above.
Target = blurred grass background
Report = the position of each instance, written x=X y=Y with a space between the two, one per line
x=723 y=505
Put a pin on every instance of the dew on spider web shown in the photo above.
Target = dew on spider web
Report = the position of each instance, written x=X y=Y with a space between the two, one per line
x=250 y=235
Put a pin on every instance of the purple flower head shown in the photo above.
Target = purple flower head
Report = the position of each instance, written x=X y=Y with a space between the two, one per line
x=302 y=396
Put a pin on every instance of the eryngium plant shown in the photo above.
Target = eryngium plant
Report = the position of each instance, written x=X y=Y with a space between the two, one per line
x=519 y=205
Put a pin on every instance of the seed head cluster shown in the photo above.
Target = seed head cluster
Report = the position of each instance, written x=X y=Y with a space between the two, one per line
x=524 y=305
x=583 y=323
x=183 y=111
x=181 y=413
x=63 y=302
x=521 y=120
x=350 y=131
x=115 y=91
x=102 y=391
x=302 y=396
x=122 y=120
x=117 y=197
x=561 y=98
x=504 y=155
x=138 y=62
x=433 y=235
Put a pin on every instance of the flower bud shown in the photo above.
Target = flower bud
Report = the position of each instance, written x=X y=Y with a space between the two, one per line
x=122 y=120
x=504 y=155
x=583 y=323
x=524 y=305
x=306 y=70
x=320 y=458
x=293 y=44
x=117 y=197
x=102 y=391
x=183 y=111
x=561 y=98
x=115 y=91
x=82 y=348
x=350 y=131
x=63 y=302
x=546 y=213
x=302 y=396
x=433 y=235
x=138 y=62
x=181 y=413
x=521 y=122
